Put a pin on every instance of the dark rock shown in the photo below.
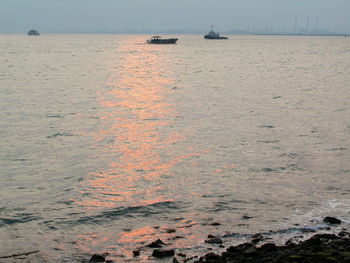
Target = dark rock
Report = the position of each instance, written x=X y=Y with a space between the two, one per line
x=156 y=244
x=244 y=246
x=190 y=258
x=109 y=261
x=225 y=254
x=212 y=257
x=170 y=230
x=214 y=240
x=162 y=253
x=344 y=234
x=245 y=217
x=136 y=253
x=250 y=251
x=331 y=220
x=269 y=247
x=175 y=260
x=215 y=224
x=182 y=255
x=289 y=242
x=97 y=258
x=256 y=240
x=211 y=236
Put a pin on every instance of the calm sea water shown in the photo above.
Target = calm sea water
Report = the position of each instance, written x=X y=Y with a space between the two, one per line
x=108 y=143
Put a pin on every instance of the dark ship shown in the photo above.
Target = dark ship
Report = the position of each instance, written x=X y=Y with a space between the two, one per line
x=33 y=33
x=159 y=40
x=213 y=35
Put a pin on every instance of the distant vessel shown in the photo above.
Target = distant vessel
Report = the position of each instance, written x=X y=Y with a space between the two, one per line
x=159 y=40
x=33 y=33
x=213 y=35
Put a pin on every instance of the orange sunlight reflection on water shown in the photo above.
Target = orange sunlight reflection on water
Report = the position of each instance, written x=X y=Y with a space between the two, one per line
x=137 y=110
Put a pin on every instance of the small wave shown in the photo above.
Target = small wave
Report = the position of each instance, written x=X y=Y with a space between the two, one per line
x=286 y=231
x=18 y=160
x=135 y=211
x=338 y=208
x=292 y=167
x=337 y=149
x=268 y=141
x=290 y=155
x=54 y=116
x=59 y=135
x=18 y=219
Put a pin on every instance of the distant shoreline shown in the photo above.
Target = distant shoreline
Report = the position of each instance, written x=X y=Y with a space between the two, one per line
x=286 y=34
x=168 y=33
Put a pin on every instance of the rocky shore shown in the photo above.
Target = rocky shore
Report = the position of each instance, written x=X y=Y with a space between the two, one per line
x=320 y=248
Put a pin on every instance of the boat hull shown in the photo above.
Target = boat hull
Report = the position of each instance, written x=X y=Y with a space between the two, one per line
x=211 y=37
x=33 y=33
x=162 y=41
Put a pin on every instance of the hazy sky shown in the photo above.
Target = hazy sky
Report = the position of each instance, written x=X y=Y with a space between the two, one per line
x=17 y=16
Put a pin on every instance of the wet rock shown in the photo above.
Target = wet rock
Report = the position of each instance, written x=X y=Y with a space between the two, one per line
x=331 y=220
x=163 y=253
x=269 y=247
x=214 y=240
x=212 y=257
x=156 y=244
x=190 y=258
x=97 y=258
x=344 y=234
x=289 y=242
x=239 y=248
x=250 y=251
x=257 y=240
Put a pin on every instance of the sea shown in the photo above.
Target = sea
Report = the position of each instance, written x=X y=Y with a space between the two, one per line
x=108 y=143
